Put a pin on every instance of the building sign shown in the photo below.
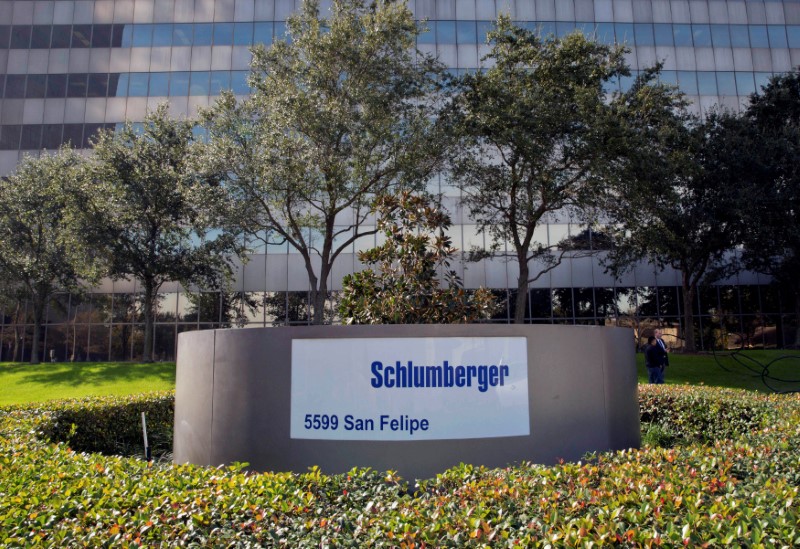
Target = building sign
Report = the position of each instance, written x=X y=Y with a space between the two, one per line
x=421 y=388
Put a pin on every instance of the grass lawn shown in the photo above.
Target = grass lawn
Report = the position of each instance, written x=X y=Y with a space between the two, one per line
x=22 y=382
x=738 y=370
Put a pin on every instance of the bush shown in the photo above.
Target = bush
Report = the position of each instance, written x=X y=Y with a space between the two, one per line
x=740 y=490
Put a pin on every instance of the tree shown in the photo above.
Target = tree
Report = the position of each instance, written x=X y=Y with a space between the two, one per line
x=674 y=206
x=153 y=214
x=339 y=113
x=406 y=288
x=772 y=238
x=42 y=249
x=536 y=136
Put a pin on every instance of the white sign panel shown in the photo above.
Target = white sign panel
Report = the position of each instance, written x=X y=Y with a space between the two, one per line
x=422 y=388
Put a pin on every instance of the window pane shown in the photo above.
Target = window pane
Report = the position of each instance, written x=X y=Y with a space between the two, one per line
x=138 y=84
x=280 y=31
x=644 y=34
x=81 y=36
x=76 y=85
x=669 y=77
x=682 y=35
x=31 y=137
x=762 y=79
x=563 y=28
x=122 y=36
x=262 y=33
x=793 y=35
x=15 y=86
x=663 y=34
x=239 y=82
x=182 y=34
x=118 y=85
x=446 y=32
x=21 y=36
x=101 y=36
x=159 y=84
x=721 y=36
x=98 y=85
x=707 y=83
x=162 y=34
x=220 y=80
x=688 y=82
x=484 y=27
x=51 y=136
x=466 y=32
x=726 y=83
x=624 y=32
x=61 y=37
x=744 y=83
x=427 y=33
x=223 y=34
x=37 y=86
x=199 y=83
x=243 y=34
x=777 y=36
x=73 y=134
x=758 y=36
x=701 y=34
x=203 y=34
x=9 y=137
x=179 y=84
x=740 y=37
x=5 y=36
x=40 y=36
x=142 y=35
x=604 y=33
x=56 y=85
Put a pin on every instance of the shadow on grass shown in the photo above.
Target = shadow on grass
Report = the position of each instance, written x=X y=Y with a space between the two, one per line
x=89 y=373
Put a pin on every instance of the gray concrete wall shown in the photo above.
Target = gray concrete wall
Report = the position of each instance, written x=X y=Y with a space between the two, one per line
x=233 y=392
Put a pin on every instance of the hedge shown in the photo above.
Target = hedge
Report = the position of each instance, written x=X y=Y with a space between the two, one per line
x=740 y=490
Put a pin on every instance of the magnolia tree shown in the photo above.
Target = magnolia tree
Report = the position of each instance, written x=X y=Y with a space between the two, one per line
x=340 y=112
x=42 y=228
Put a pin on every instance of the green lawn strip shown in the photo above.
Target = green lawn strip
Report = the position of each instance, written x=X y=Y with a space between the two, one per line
x=22 y=383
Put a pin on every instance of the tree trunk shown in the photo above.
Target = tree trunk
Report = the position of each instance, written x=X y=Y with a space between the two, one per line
x=149 y=298
x=689 y=291
x=318 y=298
x=522 y=292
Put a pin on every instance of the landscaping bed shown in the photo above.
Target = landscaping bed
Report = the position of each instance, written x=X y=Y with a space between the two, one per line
x=724 y=469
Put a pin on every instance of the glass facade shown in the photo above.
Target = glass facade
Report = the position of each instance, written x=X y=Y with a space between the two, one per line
x=69 y=68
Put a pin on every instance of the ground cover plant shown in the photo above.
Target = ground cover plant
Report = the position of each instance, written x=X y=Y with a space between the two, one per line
x=728 y=473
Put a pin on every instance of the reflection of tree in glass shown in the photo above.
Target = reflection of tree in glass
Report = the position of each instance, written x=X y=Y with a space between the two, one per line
x=228 y=309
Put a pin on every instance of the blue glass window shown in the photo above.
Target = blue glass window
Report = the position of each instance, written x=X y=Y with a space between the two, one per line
x=138 y=84
x=726 y=83
x=281 y=32
x=545 y=29
x=179 y=84
x=262 y=33
x=777 y=36
x=223 y=34
x=21 y=37
x=427 y=33
x=182 y=34
x=101 y=36
x=624 y=32
x=644 y=34
x=98 y=85
x=484 y=27
x=446 y=32
x=5 y=36
x=721 y=36
x=663 y=34
x=563 y=28
x=793 y=35
x=199 y=83
x=604 y=33
x=707 y=83
x=62 y=35
x=682 y=35
x=120 y=88
x=669 y=77
x=687 y=80
x=81 y=36
x=611 y=85
x=762 y=79
x=239 y=82
x=37 y=86
x=758 y=36
x=466 y=32
x=586 y=29
x=625 y=82
x=162 y=34
x=142 y=35
x=203 y=34
x=15 y=86
x=159 y=84
x=220 y=80
x=701 y=35
x=744 y=83
x=243 y=34
x=40 y=36
x=740 y=37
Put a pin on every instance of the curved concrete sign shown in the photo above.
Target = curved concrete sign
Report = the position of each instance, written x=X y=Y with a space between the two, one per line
x=413 y=399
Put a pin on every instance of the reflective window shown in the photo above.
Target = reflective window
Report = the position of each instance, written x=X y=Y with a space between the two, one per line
x=40 y=36
x=427 y=33
x=563 y=28
x=701 y=35
x=682 y=35
x=726 y=83
x=97 y=85
x=56 y=85
x=76 y=85
x=604 y=33
x=179 y=84
x=101 y=36
x=446 y=32
x=466 y=32
x=182 y=34
x=707 y=83
x=644 y=34
x=121 y=88
x=243 y=34
x=280 y=30
x=5 y=36
x=485 y=27
x=758 y=36
x=37 y=85
x=223 y=33
x=199 y=83
x=740 y=37
x=669 y=77
x=663 y=34
x=203 y=34
x=21 y=36
x=138 y=84
x=687 y=80
x=73 y=134
x=262 y=33
x=162 y=34
x=9 y=137
x=81 y=36
x=624 y=32
x=159 y=84
x=239 y=82
x=793 y=35
x=142 y=35
x=545 y=29
x=721 y=36
x=762 y=79
x=61 y=37
x=31 y=137
x=51 y=136
x=777 y=36
x=744 y=83
x=220 y=80
x=15 y=86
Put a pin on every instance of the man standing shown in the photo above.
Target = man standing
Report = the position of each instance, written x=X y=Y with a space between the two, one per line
x=656 y=357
